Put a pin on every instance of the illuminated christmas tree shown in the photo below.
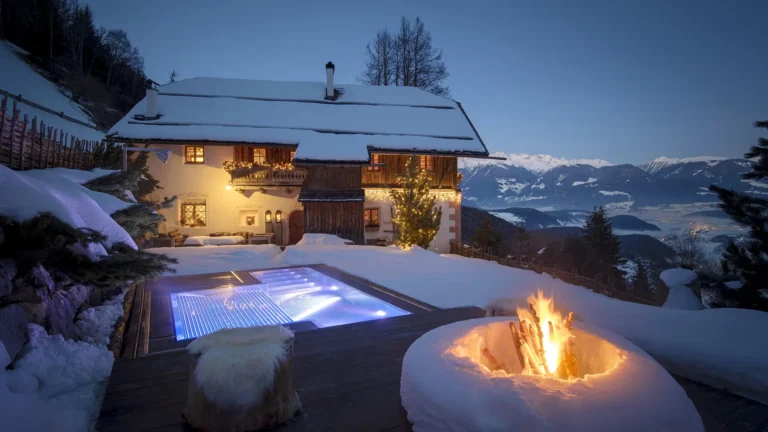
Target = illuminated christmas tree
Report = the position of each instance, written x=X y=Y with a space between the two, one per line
x=416 y=219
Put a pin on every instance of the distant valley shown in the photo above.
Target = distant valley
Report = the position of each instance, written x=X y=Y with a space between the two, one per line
x=531 y=218
x=633 y=246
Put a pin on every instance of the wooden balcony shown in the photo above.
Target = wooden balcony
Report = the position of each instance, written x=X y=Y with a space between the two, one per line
x=268 y=177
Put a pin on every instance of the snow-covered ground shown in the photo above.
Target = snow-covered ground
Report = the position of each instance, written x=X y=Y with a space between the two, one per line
x=58 y=384
x=212 y=259
x=26 y=193
x=715 y=346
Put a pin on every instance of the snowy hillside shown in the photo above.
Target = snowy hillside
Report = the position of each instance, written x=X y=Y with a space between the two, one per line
x=548 y=183
x=19 y=78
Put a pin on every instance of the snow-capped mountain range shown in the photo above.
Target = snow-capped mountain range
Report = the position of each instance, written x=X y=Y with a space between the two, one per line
x=533 y=163
x=547 y=182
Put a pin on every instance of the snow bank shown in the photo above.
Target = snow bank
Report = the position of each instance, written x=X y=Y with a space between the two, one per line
x=212 y=259
x=443 y=389
x=322 y=240
x=677 y=276
x=71 y=376
x=81 y=176
x=25 y=194
x=95 y=325
x=213 y=241
x=681 y=297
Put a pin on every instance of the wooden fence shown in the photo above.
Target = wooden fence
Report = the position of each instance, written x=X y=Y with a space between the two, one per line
x=29 y=144
x=602 y=284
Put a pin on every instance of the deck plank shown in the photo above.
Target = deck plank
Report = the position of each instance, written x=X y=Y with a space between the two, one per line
x=347 y=377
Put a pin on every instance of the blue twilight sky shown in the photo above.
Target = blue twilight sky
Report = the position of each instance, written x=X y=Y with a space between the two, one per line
x=625 y=81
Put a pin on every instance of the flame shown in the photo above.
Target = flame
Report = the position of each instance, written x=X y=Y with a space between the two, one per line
x=555 y=333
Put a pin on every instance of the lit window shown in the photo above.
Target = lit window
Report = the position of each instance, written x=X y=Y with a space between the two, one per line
x=427 y=163
x=194 y=154
x=260 y=156
x=192 y=215
x=371 y=218
x=374 y=160
x=293 y=155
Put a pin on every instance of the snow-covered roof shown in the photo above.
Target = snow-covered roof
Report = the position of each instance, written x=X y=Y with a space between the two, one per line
x=19 y=78
x=401 y=119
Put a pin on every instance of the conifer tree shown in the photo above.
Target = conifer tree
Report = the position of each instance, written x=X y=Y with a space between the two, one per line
x=416 y=218
x=749 y=261
x=521 y=242
x=604 y=243
x=47 y=240
x=640 y=279
x=485 y=236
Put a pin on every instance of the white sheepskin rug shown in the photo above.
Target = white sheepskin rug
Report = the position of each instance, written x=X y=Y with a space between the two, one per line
x=236 y=366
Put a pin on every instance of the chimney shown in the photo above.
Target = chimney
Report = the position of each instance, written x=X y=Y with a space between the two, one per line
x=330 y=93
x=151 y=103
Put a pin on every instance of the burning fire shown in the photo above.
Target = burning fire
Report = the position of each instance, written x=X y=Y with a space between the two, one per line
x=543 y=335
x=544 y=340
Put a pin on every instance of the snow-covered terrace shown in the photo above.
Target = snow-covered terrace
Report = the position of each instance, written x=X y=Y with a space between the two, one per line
x=362 y=118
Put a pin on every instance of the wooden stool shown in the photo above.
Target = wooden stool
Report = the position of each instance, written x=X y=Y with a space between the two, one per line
x=241 y=380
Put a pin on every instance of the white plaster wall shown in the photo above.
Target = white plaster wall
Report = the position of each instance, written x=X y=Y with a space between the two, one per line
x=208 y=181
x=441 y=242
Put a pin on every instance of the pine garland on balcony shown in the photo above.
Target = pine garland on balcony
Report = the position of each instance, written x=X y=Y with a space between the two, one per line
x=230 y=166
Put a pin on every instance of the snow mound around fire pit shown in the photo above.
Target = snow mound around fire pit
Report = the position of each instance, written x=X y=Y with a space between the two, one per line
x=447 y=385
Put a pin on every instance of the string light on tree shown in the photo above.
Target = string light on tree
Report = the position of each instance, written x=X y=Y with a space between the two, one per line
x=416 y=219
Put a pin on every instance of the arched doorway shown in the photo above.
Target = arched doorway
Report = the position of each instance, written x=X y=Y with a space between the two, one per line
x=295 y=226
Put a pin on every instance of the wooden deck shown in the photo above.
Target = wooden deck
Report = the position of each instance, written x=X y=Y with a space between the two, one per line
x=347 y=377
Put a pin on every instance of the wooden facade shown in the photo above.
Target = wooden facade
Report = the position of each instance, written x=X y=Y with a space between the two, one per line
x=337 y=205
x=444 y=171
x=342 y=219
x=274 y=155
x=333 y=178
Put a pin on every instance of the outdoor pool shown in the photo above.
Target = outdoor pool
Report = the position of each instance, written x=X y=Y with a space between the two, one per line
x=283 y=296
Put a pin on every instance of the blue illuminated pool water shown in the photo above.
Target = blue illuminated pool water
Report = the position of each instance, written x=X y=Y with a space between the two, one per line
x=283 y=296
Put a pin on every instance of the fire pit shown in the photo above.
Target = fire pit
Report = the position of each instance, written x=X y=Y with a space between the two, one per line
x=539 y=371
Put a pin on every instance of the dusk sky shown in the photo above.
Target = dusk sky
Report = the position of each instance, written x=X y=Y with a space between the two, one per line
x=617 y=80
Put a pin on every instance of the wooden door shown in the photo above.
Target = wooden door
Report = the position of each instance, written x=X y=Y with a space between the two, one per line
x=295 y=226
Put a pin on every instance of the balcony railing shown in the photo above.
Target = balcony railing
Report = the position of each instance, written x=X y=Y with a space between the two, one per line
x=269 y=177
